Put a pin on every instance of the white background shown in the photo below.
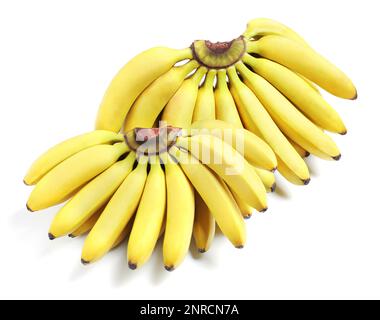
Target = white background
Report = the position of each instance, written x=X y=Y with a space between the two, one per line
x=319 y=241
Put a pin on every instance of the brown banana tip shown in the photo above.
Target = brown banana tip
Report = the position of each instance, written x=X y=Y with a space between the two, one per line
x=132 y=266
x=51 y=236
x=343 y=133
x=29 y=209
x=274 y=170
x=248 y=216
x=202 y=250
x=240 y=247
x=355 y=97
x=84 y=262
x=273 y=188
x=72 y=236
x=169 y=268
x=307 y=154
x=27 y=184
x=337 y=158
x=264 y=210
x=306 y=182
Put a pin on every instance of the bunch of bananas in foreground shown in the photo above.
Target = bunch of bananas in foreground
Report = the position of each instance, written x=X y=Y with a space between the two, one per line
x=151 y=183
x=187 y=140
x=266 y=81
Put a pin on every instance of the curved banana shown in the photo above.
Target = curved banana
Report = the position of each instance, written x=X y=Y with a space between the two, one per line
x=268 y=179
x=59 y=184
x=179 y=215
x=263 y=27
x=131 y=80
x=228 y=164
x=307 y=62
x=225 y=108
x=87 y=225
x=116 y=215
x=66 y=149
x=287 y=117
x=153 y=99
x=255 y=150
x=246 y=210
x=257 y=120
x=298 y=91
x=90 y=198
x=149 y=218
x=204 y=225
x=180 y=108
x=212 y=190
x=205 y=104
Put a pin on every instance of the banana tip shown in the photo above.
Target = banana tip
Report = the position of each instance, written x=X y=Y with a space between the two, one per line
x=306 y=182
x=132 y=266
x=72 y=236
x=169 y=268
x=337 y=158
x=355 y=96
x=84 y=262
x=51 y=236
x=201 y=250
x=274 y=169
x=29 y=208
x=248 y=216
x=264 y=210
x=273 y=188
x=26 y=183
x=239 y=246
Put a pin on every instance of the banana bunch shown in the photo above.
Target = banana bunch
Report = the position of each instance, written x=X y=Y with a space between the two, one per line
x=265 y=81
x=187 y=140
x=151 y=183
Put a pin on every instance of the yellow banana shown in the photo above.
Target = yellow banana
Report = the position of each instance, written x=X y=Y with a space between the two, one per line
x=66 y=149
x=225 y=108
x=87 y=225
x=180 y=108
x=124 y=234
x=116 y=215
x=153 y=99
x=221 y=203
x=257 y=120
x=229 y=165
x=255 y=150
x=298 y=91
x=305 y=61
x=149 y=218
x=290 y=176
x=71 y=174
x=131 y=80
x=91 y=198
x=263 y=27
x=179 y=215
x=301 y=151
x=246 y=210
x=205 y=104
x=204 y=225
x=268 y=179
x=287 y=117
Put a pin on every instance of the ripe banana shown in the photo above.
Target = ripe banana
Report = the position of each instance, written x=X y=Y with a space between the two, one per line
x=59 y=184
x=212 y=190
x=131 y=80
x=225 y=108
x=205 y=104
x=153 y=99
x=305 y=61
x=263 y=27
x=257 y=120
x=288 y=118
x=91 y=198
x=149 y=218
x=298 y=91
x=116 y=215
x=180 y=108
x=228 y=164
x=179 y=215
x=66 y=149
x=246 y=210
x=254 y=149
x=204 y=225
x=268 y=179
